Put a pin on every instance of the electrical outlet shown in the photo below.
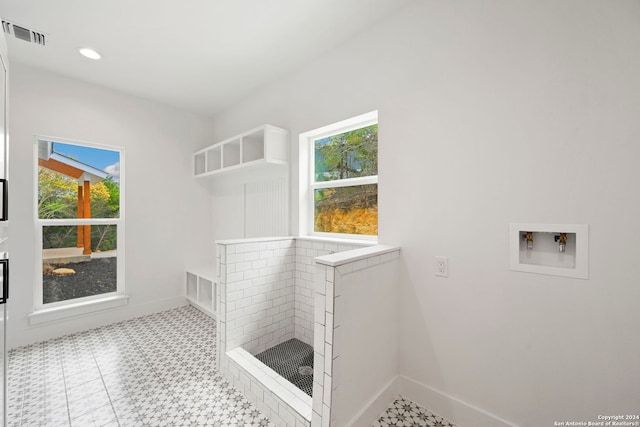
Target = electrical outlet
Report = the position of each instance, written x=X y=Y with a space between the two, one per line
x=442 y=266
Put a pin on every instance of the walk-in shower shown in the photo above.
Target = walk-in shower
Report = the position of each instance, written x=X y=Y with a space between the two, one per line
x=276 y=326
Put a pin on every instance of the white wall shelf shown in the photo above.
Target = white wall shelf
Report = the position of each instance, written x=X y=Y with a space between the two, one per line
x=200 y=290
x=262 y=147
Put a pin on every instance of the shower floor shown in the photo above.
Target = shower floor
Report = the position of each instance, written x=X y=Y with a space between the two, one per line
x=286 y=358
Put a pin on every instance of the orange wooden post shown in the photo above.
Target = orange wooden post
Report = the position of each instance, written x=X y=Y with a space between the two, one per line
x=80 y=215
x=87 y=214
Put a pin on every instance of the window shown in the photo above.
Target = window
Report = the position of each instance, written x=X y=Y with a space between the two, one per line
x=339 y=179
x=79 y=222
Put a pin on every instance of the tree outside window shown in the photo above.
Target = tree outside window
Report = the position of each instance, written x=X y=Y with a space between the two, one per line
x=345 y=182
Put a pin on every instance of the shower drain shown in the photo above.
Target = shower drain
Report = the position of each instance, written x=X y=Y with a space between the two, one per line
x=305 y=370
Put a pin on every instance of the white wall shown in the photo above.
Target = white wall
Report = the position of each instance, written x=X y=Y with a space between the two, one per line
x=364 y=313
x=495 y=112
x=167 y=213
x=249 y=205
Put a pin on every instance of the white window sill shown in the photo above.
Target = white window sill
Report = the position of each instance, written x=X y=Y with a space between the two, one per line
x=71 y=310
x=347 y=241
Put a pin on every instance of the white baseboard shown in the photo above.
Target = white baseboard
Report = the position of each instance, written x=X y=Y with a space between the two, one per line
x=442 y=404
x=376 y=406
x=446 y=406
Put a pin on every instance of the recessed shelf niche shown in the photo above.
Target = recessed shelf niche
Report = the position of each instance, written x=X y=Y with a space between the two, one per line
x=552 y=249
x=231 y=153
x=253 y=147
x=199 y=163
x=200 y=290
x=214 y=159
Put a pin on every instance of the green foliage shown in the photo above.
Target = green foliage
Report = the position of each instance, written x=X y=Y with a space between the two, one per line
x=355 y=197
x=105 y=199
x=59 y=237
x=114 y=193
x=347 y=155
x=104 y=237
x=57 y=195
x=58 y=199
x=351 y=209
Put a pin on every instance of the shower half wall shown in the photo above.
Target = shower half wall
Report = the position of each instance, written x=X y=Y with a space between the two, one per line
x=274 y=290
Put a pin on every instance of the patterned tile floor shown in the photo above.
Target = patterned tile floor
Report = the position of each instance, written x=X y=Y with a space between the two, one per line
x=404 y=413
x=150 y=371
x=156 y=370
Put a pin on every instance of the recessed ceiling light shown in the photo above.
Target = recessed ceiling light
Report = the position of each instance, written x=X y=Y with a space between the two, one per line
x=89 y=53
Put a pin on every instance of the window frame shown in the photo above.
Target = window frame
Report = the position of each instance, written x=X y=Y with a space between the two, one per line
x=307 y=176
x=119 y=222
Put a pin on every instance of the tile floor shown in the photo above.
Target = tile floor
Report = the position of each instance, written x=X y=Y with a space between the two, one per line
x=404 y=413
x=150 y=371
x=156 y=370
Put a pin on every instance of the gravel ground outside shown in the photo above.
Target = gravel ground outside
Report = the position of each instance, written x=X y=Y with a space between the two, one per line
x=94 y=277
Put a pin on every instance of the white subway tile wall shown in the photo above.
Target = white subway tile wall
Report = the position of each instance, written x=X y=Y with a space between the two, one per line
x=259 y=300
x=306 y=252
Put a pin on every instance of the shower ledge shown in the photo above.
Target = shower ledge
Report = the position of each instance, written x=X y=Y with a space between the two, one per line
x=340 y=258
x=298 y=400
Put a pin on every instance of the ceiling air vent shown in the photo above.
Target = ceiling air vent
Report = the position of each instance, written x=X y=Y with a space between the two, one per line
x=24 y=33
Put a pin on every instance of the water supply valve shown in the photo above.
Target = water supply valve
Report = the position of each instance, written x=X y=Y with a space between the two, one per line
x=562 y=241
